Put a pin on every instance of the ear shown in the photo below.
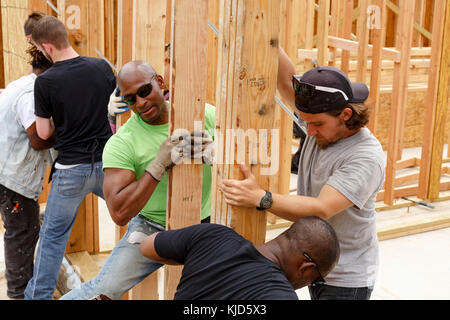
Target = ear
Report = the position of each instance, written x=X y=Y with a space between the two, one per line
x=161 y=82
x=346 y=114
x=305 y=271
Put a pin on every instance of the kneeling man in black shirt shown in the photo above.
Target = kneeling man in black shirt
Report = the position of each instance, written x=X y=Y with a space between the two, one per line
x=219 y=264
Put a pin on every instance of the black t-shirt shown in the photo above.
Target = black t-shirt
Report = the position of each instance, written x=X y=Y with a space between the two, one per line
x=75 y=93
x=219 y=264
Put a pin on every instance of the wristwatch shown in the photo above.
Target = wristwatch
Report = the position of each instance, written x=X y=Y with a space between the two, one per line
x=266 y=202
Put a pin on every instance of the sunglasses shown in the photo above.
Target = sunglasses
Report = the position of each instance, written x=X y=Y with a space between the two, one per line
x=143 y=91
x=320 y=279
x=305 y=91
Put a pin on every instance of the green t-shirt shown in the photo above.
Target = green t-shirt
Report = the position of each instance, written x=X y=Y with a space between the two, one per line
x=136 y=144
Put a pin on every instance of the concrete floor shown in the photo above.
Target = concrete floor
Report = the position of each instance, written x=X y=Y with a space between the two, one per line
x=415 y=267
x=411 y=267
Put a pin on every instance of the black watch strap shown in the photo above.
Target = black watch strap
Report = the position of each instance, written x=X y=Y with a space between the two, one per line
x=266 y=202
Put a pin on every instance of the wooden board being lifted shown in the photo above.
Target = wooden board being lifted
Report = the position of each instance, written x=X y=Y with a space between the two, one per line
x=246 y=84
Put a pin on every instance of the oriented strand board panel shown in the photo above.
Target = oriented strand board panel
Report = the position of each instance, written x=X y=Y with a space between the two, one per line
x=189 y=53
x=248 y=66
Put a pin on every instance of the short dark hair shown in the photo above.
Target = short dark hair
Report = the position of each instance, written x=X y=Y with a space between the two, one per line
x=38 y=60
x=360 y=115
x=50 y=30
x=317 y=238
x=31 y=21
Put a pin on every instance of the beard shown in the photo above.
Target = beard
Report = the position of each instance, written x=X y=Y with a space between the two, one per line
x=323 y=143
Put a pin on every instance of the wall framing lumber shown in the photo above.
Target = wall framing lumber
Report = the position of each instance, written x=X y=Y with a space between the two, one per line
x=399 y=96
x=433 y=109
x=441 y=111
x=378 y=41
x=189 y=51
x=248 y=63
x=322 y=32
x=148 y=41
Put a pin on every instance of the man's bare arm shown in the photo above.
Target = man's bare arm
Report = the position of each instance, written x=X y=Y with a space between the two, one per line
x=148 y=250
x=124 y=195
x=286 y=71
x=45 y=127
x=36 y=142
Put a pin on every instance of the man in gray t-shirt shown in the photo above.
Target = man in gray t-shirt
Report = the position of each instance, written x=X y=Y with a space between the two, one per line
x=341 y=170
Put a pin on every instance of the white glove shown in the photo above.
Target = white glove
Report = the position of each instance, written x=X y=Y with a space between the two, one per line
x=116 y=105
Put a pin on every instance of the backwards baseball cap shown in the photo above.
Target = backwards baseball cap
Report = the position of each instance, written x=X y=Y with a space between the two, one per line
x=323 y=89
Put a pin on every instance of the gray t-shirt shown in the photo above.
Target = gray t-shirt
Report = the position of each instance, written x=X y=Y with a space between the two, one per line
x=355 y=166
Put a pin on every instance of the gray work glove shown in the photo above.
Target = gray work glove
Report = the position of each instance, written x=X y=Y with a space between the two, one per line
x=168 y=156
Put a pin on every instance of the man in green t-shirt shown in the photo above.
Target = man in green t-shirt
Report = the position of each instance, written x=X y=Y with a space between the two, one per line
x=135 y=160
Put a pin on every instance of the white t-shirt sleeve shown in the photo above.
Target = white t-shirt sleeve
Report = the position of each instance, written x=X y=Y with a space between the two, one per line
x=25 y=109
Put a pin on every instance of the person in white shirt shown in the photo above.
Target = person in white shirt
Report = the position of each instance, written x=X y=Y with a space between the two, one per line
x=22 y=170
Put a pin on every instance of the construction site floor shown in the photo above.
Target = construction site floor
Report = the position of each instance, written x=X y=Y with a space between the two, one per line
x=411 y=267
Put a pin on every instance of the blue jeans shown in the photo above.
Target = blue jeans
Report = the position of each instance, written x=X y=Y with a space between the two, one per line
x=326 y=292
x=124 y=268
x=69 y=188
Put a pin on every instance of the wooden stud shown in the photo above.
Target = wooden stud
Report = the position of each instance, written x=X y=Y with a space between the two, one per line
x=363 y=41
x=399 y=95
x=148 y=42
x=189 y=52
x=378 y=38
x=442 y=104
x=431 y=98
x=346 y=34
x=322 y=32
x=214 y=11
x=248 y=60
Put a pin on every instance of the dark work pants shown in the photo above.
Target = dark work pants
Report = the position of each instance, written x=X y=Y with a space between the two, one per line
x=326 y=292
x=20 y=217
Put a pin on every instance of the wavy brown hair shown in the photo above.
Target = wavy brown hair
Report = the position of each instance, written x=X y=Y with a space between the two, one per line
x=37 y=58
x=360 y=115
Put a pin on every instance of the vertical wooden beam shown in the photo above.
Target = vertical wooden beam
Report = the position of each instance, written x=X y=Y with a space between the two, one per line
x=189 y=53
x=308 y=34
x=111 y=30
x=214 y=11
x=149 y=32
x=378 y=39
x=399 y=94
x=334 y=27
x=363 y=41
x=431 y=98
x=248 y=63
x=437 y=96
x=322 y=32
x=289 y=41
x=346 y=34
x=148 y=40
